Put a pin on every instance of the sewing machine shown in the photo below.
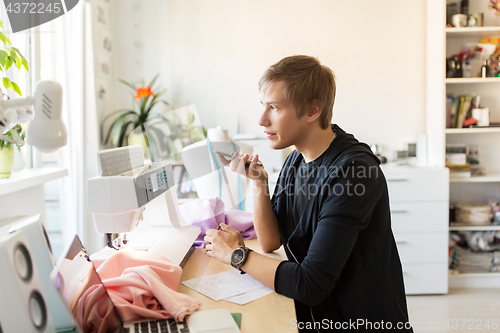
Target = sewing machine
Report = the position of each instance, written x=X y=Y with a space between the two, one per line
x=118 y=198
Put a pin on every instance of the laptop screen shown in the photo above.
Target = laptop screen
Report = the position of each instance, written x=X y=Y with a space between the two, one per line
x=83 y=292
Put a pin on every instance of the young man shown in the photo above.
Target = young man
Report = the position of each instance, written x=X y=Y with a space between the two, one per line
x=330 y=211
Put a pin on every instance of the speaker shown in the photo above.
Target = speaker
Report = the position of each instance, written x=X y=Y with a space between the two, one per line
x=23 y=307
x=45 y=261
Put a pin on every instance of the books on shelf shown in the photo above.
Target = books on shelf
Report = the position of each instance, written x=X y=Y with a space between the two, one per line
x=467 y=261
x=459 y=109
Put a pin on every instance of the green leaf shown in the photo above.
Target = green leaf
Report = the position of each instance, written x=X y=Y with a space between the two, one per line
x=130 y=85
x=3 y=56
x=123 y=132
x=4 y=39
x=1 y=24
x=115 y=128
x=7 y=84
x=18 y=62
x=8 y=63
x=25 y=64
x=153 y=80
x=190 y=118
x=18 y=52
x=16 y=88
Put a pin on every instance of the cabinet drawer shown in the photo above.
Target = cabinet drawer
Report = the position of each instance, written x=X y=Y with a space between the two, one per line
x=423 y=248
x=425 y=278
x=419 y=217
x=417 y=184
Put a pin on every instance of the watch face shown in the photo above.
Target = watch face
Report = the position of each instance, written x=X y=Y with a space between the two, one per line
x=237 y=256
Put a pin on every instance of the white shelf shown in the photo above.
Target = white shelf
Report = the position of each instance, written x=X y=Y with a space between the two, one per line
x=26 y=178
x=472 y=130
x=466 y=80
x=477 y=32
x=474 y=227
x=471 y=275
x=494 y=178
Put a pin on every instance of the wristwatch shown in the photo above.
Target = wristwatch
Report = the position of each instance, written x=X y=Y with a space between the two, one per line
x=239 y=257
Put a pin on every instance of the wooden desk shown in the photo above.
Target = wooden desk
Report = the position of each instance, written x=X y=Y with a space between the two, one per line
x=271 y=313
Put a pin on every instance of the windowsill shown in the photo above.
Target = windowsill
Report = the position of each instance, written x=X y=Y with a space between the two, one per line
x=26 y=178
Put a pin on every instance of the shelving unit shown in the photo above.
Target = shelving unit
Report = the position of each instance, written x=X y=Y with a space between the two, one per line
x=490 y=178
x=472 y=130
x=444 y=42
x=477 y=32
x=493 y=275
x=474 y=227
x=466 y=80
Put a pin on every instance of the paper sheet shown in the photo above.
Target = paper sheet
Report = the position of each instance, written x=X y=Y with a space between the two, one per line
x=249 y=296
x=224 y=285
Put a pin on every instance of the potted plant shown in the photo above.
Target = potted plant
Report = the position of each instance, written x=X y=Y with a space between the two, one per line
x=169 y=130
x=7 y=152
x=9 y=56
x=126 y=120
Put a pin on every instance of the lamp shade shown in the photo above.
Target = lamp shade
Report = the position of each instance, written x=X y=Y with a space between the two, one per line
x=47 y=131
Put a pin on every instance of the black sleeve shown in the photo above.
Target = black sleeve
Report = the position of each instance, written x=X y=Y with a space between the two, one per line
x=281 y=186
x=344 y=212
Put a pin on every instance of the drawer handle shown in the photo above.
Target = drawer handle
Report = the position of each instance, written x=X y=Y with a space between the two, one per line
x=401 y=242
x=399 y=211
x=397 y=180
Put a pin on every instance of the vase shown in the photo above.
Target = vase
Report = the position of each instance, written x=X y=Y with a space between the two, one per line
x=138 y=139
x=6 y=161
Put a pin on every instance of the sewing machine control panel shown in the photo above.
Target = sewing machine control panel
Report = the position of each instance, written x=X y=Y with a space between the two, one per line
x=155 y=181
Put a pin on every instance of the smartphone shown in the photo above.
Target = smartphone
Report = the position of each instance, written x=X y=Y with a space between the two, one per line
x=247 y=164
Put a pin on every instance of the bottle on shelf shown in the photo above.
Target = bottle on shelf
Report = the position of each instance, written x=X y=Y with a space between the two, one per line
x=467 y=68
x=485 y=69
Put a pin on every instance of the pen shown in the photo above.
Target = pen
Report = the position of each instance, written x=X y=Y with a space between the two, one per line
x=231 y=156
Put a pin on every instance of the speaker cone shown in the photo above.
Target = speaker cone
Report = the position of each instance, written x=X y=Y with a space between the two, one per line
x=22 y=262
x=37 y=311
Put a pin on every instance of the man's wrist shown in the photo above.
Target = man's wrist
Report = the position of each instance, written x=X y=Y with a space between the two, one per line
x=261 y=187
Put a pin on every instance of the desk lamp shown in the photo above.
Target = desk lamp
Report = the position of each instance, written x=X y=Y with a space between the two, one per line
x=46 y=131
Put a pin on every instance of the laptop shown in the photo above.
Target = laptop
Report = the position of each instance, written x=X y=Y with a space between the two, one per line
x=75 y=272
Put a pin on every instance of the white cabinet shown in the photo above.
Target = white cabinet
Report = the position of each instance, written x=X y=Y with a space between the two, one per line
x=419 y=217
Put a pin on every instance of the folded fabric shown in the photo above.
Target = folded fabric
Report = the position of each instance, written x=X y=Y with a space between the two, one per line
x=209 y=213
x=141 y=285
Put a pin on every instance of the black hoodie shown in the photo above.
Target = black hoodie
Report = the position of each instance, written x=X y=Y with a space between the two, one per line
x=344 y=269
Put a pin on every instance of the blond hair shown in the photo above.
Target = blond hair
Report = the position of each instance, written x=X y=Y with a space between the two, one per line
x=305 y=80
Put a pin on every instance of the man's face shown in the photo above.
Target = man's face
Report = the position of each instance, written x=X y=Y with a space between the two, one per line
x=281 y=125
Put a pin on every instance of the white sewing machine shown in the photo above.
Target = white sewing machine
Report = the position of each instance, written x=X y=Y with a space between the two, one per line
x=118 y=198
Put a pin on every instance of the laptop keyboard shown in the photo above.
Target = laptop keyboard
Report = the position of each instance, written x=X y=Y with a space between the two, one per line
x=161 y=326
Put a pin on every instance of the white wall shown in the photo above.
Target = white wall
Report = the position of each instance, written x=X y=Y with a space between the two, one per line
x=212 y=53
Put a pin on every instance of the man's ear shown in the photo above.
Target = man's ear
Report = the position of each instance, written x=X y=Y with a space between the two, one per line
x=313 y=111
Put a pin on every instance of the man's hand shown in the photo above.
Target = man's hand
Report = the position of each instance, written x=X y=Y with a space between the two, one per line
x=222 y=243
x=246 y=165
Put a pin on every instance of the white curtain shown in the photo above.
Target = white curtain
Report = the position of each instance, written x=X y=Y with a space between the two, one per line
x=67 y=57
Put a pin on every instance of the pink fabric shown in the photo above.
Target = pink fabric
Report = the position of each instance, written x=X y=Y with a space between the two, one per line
x=209 y=213
x=141 y=285
x=92 y=308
